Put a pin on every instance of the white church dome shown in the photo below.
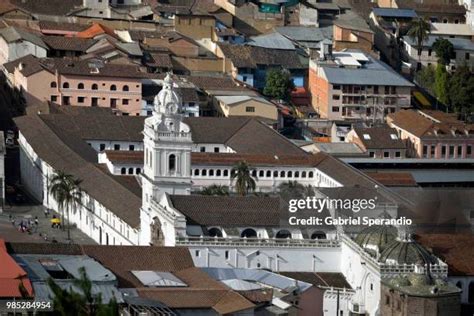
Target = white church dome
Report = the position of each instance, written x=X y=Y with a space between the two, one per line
x=167 y=96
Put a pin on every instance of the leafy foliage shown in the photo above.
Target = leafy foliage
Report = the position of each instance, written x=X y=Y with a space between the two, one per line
x=461 y=91
x=215 y=189
x=294 y=190
x=441 y=84
x=444 y=50
x=425 y=77
x=418 y=32
x=244 y=183
x=69 y=302
x=278 y=84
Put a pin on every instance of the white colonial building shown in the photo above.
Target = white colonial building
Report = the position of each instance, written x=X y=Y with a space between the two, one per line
x=145 y=196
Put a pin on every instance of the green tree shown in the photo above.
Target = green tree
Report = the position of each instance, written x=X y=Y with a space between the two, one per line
x=215 y=189
x=69 y=302
x=244 y=183
x=425 y=77
x=294 y=190
x=461 y=91
x=278 y=84
x=441 y=85
x=444 y=50
x=65 y=190
x=419 y=31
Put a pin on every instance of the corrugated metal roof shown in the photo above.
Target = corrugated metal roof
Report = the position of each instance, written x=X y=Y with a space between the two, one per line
x=232 y=99
x=241 y=285
x=273 y=40
x=306 y=33
x=13 y=34
x=395 y=13
x=158 y=279
x=458 y=43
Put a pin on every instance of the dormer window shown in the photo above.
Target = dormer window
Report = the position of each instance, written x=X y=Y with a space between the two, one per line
x=366 y=136
x=394 y=136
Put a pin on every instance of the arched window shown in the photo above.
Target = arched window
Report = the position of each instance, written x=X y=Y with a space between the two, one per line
x=53 y=84
x=282 y=174
x=318 y=235
x=283 y=234
x=249 y=233
x=311 y=174
x=123 y=170
x=80 y=86
x=275 y=174
x=303 y=174
x=215 y=232
x=211 y=172
x=95 y=86
x=254 y=173
x=290 y=174
x=113 y=87
x=218 y=172
x=196 y=172
x=125 y=88
x=269 y=173
x=130 y=170
x=261 y=173
x=138 y=170
x=204 y=172
x=66 y=85
x=172 y=163
x=297 y=174
x=459 y=285
x=226 y=173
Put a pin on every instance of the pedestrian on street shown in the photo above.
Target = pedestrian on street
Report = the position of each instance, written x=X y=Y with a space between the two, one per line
x=36 y=221
x=46 y=212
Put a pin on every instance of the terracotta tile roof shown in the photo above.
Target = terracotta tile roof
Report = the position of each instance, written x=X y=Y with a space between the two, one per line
x=246 y=56
x=320 y=279
x=125 y=156
x=11 y=275
x=396 y=179
x=456 y=249
x=95 y=30
x=421 y=126
x=48 y=7
x=379 y=138
x=75 y=44
x=160 y=60
x=48 y=26
x=229 y=211
x=258 y=296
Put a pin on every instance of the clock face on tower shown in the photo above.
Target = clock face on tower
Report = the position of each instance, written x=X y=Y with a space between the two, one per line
x=171 y=108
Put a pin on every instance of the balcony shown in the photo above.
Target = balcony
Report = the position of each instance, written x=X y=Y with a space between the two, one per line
x=174 y=136
x=257 y=242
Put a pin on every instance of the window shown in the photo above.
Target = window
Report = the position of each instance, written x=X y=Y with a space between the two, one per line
x=250 y=109
x=371 y=154
x=197 y=253
x=433 y=151
x=172 y=163
x=336 y=97
x=366 y=136
x=429 y=52
x=335 y=109
x=196 y=172
x=113 y=88
x=216 y=149
x=123 y=170
x=191 y=104
x=468 y=150
x=459 y=151
x=125 y=101
x=226 y=173
x=80 y=86
x=394 y=136
x=311 y=174
x=66 y=85
x=54 y=98
x=398 y=154
x=303 y=174
x=336 y=87
x=117 y=147
x=451 y=151
x=297 y=174
x=387 y=90
x=131 y=147
x=94 y=101
x=202 y=149
x=130 y=170
x=261 y=173
x=218 y=172
x=102 y=147
x=227 y=255
x=376 y=89
x=53 y=84
x=66 y=100
x=467 y=56
x=95 y=86
x=275 y=174
x=393 y=90
x=211 y=172
x=387 y=300
x=386 y=154
x=125 y=88
x=80 y=99
x=425 y=150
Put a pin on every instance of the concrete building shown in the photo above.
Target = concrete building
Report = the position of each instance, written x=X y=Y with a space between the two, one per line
x=378 y=142
x=351 y=85
x=246 y=106
x=16 y=43
x=90 y=83
x=433 y=134
x=352 y=32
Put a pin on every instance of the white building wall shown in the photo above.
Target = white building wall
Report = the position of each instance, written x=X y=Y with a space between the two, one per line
x=302 y=259
x=91 y=217
x=110 y=145
x=13 y=51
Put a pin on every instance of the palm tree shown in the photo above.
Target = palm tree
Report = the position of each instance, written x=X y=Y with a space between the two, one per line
x=419 y=32
x=215 y=189
x=65 y=190
x=244 y=183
